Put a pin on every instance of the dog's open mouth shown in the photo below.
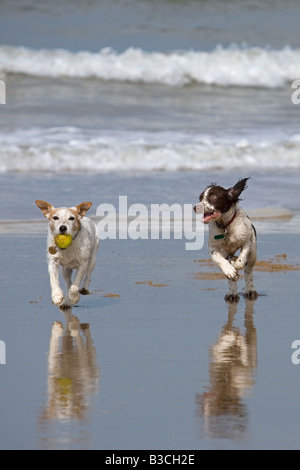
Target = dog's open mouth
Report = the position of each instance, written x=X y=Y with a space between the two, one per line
x=209 y=216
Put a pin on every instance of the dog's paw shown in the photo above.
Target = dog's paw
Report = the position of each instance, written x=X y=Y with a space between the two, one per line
x=74 y=295
x=251 y=294
x=231 y=273
x=84 y=291
x=57 y=297
x=232 y=298
x=65 y=305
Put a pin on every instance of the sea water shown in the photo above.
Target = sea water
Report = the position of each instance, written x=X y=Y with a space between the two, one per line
x=148 y=85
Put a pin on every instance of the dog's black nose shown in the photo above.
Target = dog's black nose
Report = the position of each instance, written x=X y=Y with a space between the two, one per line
x=63 y=228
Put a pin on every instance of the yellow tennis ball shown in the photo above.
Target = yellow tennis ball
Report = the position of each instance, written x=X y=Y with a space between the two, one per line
x=63 y=241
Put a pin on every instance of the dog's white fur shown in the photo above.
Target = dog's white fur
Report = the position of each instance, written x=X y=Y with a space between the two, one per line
x=239 y=235
x=80 y=255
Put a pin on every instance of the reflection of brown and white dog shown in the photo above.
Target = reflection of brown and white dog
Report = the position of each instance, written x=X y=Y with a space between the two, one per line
x=80 y=255
x=232 y=370
x=230 y=230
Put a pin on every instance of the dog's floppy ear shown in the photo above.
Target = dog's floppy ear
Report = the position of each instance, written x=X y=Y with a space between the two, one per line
x=83 y=208
x=237 y=189
x=45 y=207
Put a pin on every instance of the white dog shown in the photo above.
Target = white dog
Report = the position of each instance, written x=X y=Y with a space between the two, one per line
x=230 y=230
x=80 y=255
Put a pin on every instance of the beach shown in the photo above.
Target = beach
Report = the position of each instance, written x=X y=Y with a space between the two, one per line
x=141 y=104
x=151 y=370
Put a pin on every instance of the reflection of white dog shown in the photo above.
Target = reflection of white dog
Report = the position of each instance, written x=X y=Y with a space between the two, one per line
x=72 y=370
x=80 y=255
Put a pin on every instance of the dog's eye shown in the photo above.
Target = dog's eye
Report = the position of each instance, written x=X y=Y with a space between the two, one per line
x=213 y=197
x=71 y=218
x=55 y=217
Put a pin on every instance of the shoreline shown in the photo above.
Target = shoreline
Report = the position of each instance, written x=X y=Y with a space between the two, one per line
x=266 y=220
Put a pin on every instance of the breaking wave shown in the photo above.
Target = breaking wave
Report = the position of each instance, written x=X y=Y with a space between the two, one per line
x=71 y=149
x=233 y=66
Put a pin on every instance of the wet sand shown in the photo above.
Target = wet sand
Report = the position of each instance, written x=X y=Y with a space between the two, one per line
x=154 y=358
x=276 y=264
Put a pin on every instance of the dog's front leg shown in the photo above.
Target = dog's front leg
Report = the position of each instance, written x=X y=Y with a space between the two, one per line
x=241 y=261
x=231 y=274
x=67 y=275
x=74 y=295
x=228 y=269
x=57 y=294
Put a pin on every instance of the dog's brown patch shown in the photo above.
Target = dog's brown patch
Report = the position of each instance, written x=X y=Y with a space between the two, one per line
x=82 y=208
x=52 y=250
x=44 y=206
x=76 y=222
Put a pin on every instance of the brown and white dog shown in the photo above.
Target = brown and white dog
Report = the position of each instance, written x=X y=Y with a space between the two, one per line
x=80 y=255
x=230 y=230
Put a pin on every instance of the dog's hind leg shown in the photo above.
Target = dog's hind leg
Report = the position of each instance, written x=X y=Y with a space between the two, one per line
x=87 y=279
x=73 y=292
x=250 y=291
x=85 y=288
x=56 y=292
x=67 y=275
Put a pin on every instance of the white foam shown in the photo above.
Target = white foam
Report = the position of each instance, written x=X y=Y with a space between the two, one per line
x=71 y=149
x=235 y=66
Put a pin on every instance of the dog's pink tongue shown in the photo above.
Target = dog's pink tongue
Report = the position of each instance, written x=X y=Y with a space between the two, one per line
x=209 y=217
